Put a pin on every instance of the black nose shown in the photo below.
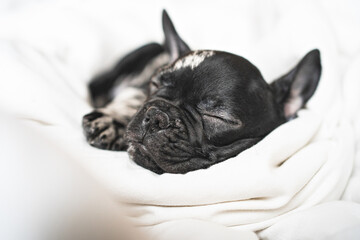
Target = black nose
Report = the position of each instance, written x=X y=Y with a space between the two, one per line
x=156 y=118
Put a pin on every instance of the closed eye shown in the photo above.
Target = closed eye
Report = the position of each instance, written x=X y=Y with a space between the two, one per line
x=223 y=119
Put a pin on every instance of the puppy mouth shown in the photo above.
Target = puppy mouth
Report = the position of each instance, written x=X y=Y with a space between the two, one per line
x=157 y=151
x=139 y=153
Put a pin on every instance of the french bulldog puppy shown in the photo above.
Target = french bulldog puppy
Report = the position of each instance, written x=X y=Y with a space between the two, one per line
x=177 y=110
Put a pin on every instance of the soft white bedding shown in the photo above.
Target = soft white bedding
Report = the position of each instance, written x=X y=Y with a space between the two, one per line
x=49 y=50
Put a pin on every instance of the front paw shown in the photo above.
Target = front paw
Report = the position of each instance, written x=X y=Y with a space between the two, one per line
x=103 y=131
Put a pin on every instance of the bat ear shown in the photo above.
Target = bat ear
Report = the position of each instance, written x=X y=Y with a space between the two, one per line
x=175 y=46
x=295 y=88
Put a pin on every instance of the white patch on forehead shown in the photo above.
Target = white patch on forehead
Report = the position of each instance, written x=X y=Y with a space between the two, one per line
x=192 y=60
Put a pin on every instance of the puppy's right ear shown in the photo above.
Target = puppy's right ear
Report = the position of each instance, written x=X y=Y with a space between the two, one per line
x=295 y=88
x=175 y=46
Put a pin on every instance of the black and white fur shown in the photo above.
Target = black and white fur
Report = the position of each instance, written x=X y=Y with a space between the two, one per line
x=118 y=94
x=177 y=110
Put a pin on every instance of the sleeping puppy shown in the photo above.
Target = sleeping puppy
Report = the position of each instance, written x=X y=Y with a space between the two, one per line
x=176 y=110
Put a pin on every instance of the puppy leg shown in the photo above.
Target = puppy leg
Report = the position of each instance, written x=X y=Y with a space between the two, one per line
x=101 y=88
x=123 y=90
x=105 y=127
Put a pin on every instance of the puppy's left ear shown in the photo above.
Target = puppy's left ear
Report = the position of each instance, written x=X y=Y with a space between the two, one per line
x=173 y=43
x=294 y=89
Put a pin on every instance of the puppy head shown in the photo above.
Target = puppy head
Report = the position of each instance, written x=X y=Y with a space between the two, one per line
x=207 y=106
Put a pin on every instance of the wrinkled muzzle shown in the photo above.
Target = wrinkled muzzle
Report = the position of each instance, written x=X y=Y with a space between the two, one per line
x=164 y=138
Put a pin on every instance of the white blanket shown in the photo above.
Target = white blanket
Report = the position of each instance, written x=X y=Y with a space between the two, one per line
x=50 y=50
